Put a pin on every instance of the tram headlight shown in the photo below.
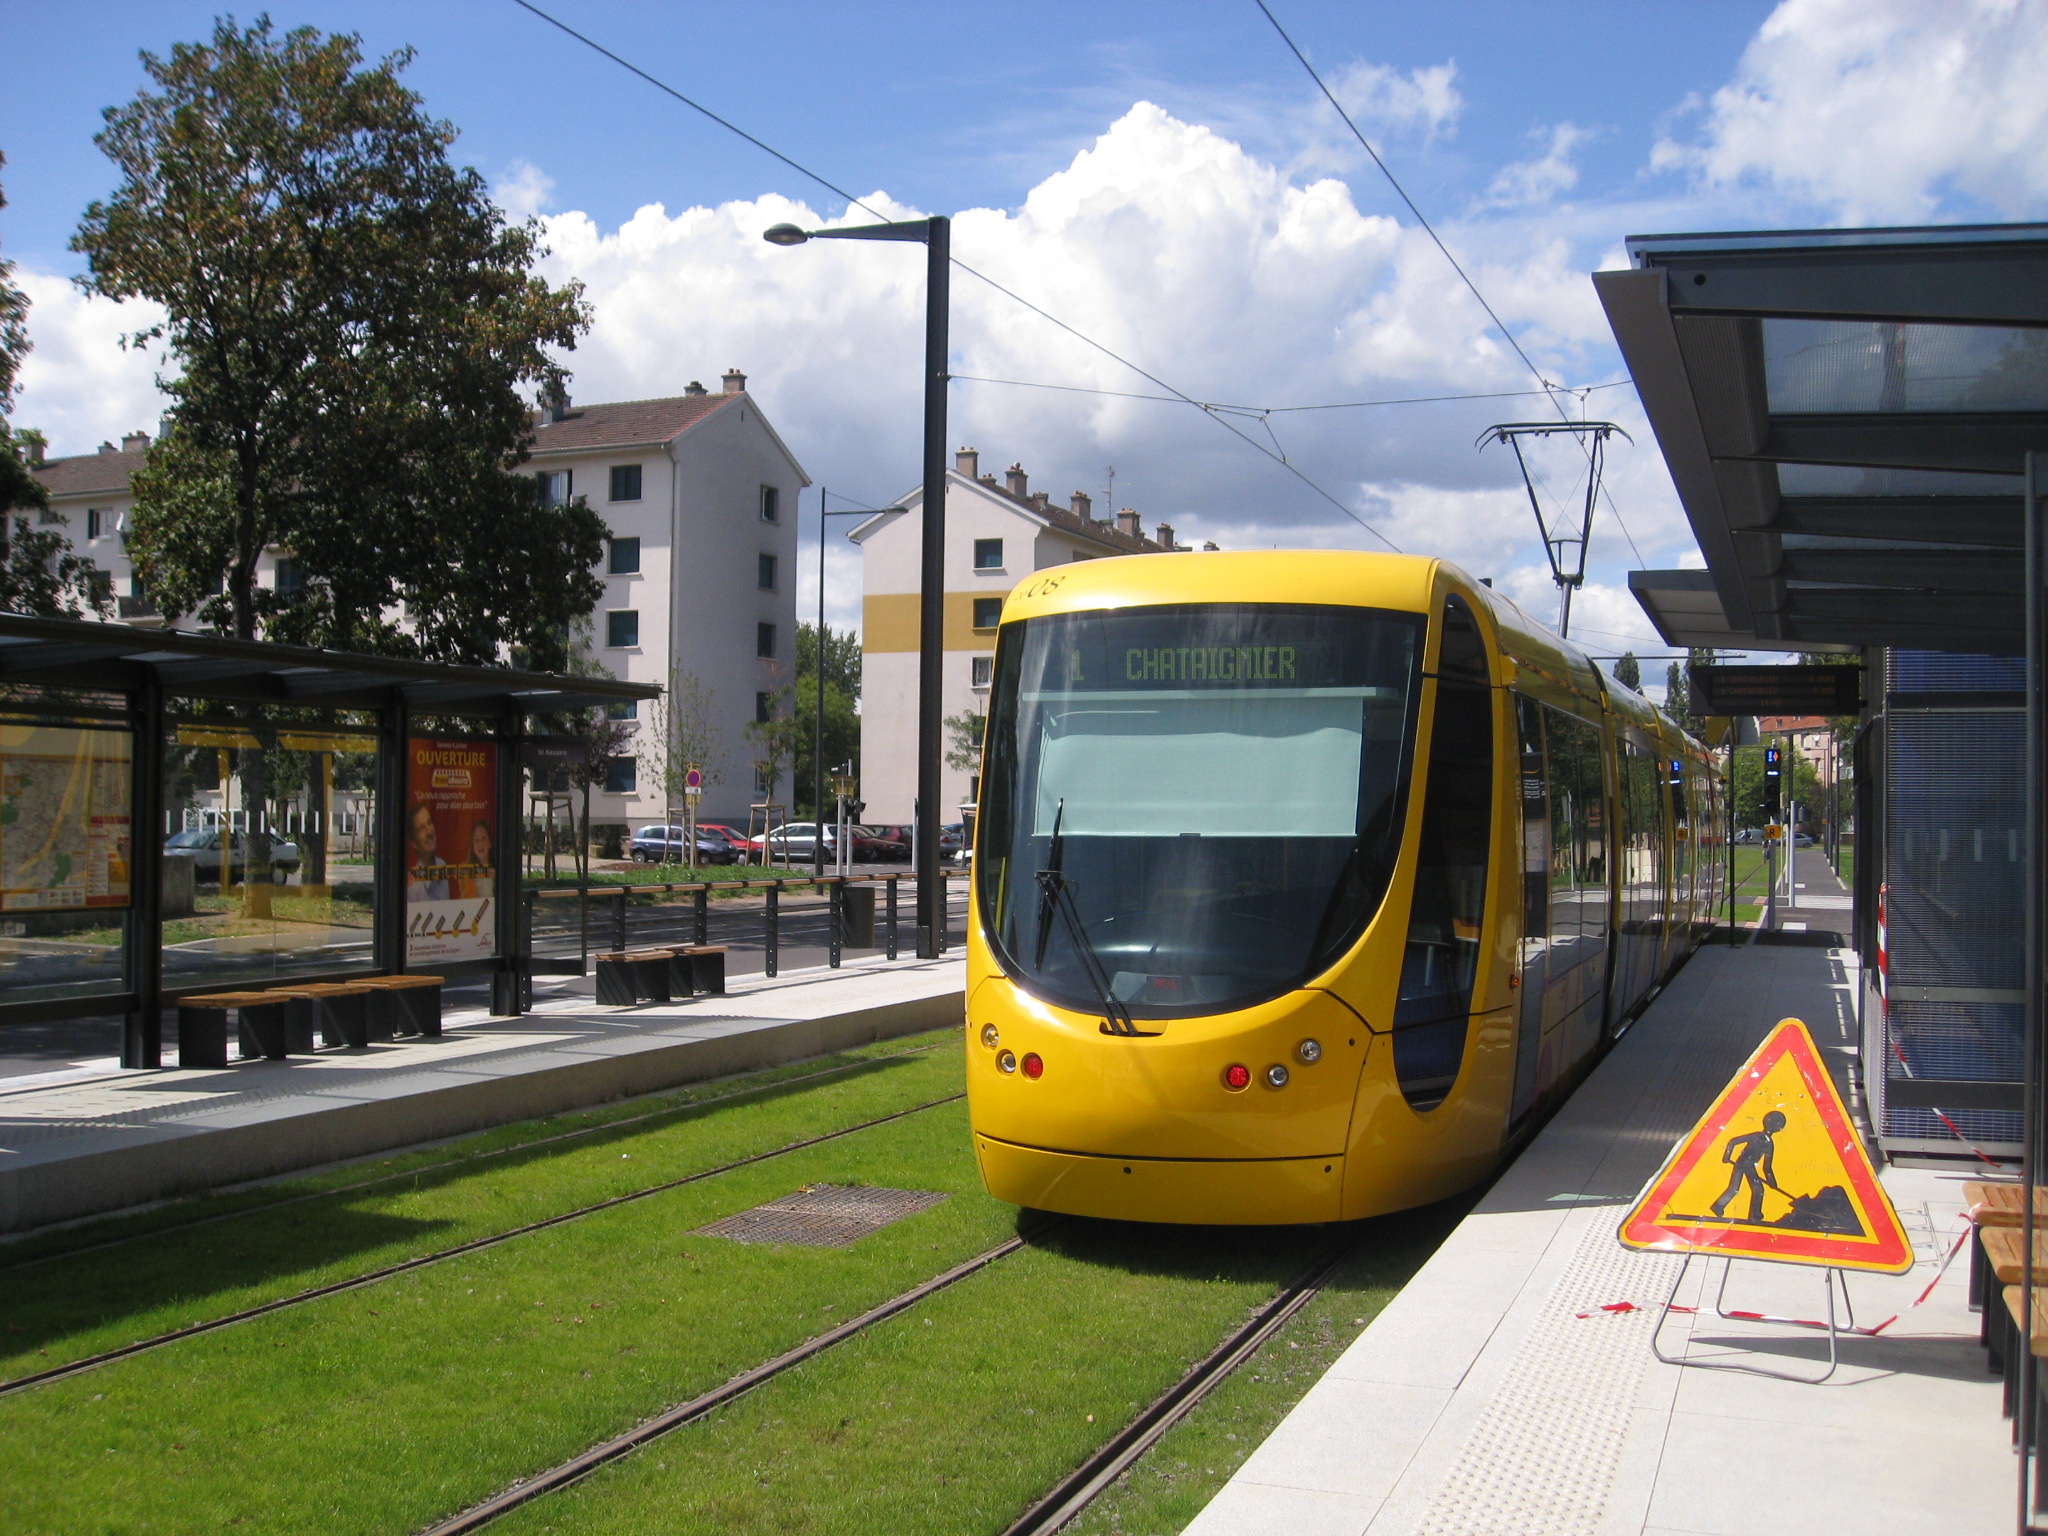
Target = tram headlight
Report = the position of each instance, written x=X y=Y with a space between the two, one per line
x=1276 y=1076
x=1006 y=1061
x=1310 y=1051
x=989 y=1036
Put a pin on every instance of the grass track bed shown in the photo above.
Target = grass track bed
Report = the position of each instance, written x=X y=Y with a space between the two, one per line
x=956 y=1417
x=79 y=1304
x=383 y=1410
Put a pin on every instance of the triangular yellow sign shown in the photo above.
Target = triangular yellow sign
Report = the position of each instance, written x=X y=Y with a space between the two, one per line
x=1774 y=1170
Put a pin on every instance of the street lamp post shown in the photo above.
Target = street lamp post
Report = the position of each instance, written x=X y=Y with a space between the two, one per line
x=818 y=704
x=936 y=236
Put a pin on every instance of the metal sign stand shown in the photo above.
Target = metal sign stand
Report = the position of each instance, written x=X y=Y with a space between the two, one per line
x=1833 y=1278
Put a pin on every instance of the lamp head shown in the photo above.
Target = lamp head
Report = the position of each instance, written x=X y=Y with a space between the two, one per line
x=784 y=234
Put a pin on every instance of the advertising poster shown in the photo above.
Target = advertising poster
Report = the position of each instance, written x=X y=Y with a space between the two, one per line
x=63 y=818
x=451 y=825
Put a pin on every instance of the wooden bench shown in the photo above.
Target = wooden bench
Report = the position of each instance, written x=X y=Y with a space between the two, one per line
x=707 y=967
x=203 y=1027
x=340 y=1010
x=1991 y=1205
x=615 y=987
x=404 y=1005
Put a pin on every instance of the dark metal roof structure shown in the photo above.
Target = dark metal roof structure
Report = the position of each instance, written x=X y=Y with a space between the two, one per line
x=76 y=653
x=1845 y=414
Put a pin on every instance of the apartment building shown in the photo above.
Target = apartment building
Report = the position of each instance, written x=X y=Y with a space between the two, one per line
x=997 y=533
x=700 y=495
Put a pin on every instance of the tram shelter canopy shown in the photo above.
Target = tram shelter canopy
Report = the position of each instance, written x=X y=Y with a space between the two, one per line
x=1846 y=415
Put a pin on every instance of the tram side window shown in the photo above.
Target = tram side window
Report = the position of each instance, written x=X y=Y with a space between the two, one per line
x=1449 y=902
x=1578 y=841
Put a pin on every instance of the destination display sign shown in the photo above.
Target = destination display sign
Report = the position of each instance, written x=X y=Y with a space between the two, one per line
x=1224 y=647
x=1822 y=690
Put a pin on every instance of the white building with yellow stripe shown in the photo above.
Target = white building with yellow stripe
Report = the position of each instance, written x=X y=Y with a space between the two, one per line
x=996 y=535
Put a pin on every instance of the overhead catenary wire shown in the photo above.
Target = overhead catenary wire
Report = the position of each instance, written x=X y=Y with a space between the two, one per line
x=1550 y=388
x=1279 y=410
x=838 y=191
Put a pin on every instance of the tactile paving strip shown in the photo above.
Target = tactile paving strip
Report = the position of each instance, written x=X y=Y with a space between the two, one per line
x=1543 y=1458
x=823 y=1215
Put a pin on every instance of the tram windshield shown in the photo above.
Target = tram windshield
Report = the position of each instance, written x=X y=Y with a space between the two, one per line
x=1226 y=783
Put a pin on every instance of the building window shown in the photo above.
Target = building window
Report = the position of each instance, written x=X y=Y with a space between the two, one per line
x=771 y=504
x=99 y=522
x=291 y=580
x=625 y=557
x=629 y=710
x=988 y=554
x=621 y=776
x=625 y=482
x=988 y=612
x=764 y=572
x=761 y=784
x=984 y=669
x=622 y=628
x=764 y=640
x=555 y=486
x=764 y=708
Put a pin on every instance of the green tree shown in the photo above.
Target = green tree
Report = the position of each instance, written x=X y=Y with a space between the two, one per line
x=39 y=574
x=775 y=742
x=357 y=330
x=1800 y=786
x=1628 y=670
x=964 y=733
x=841 y=684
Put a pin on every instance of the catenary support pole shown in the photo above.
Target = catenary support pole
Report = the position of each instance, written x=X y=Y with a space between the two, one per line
x=2027 y=1410
x=818 y=693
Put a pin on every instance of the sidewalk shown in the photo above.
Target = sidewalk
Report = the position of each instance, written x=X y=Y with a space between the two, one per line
x=1482 y=1402
x=80 y=1142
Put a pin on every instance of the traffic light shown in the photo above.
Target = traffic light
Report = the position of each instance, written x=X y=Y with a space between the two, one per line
x=1677 y=776
x=1774 y=784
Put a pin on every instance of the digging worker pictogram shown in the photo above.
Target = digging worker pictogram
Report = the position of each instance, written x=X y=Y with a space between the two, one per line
x=1751 y=1157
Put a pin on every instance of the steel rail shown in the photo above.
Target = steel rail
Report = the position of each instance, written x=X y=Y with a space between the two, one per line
x=406 y=1266
x=266 y=1207
x=1078 y=1489
x=581 y=1466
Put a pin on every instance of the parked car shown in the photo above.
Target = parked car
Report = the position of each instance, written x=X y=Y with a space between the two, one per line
x=952 y=840
x=736 y=841
x=879 y=845
x=203 y=846
x=667 y=845
x=1802 y=839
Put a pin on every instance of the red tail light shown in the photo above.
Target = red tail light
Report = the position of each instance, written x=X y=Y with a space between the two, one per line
x=1236 y=1077
x=1033 y=1066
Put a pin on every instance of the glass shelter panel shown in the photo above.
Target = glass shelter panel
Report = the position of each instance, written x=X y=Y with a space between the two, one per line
x=1220 y=787
x=1859 y=366
x=269 y=847
x=65 y=791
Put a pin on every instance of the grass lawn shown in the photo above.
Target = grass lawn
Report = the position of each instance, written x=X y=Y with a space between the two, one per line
x=178 y=1267
x=380 y=1410
x=955 y=1416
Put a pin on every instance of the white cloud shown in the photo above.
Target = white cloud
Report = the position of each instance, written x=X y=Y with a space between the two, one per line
x=524 y=191
x=1541 y=179
x=1426 y=98
x=1883 y=109
x=80 y=386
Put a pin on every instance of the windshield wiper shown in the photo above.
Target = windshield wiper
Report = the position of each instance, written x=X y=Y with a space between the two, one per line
x=1056 y=894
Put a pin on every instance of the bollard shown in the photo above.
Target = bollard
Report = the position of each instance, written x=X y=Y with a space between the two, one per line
x=703 y=915
x=774 y=922
x=893 y=879
x=619 y=929
x=837 y=893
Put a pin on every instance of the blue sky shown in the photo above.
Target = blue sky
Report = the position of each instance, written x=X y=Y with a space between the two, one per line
x=1160 y=175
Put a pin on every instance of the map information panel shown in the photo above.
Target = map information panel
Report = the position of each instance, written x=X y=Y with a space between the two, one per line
x=63 y=818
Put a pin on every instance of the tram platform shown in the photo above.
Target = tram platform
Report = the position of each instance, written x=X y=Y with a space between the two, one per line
x=80 y=1143
x=1495 y=1396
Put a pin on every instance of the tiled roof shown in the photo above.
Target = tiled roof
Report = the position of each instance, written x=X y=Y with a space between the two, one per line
x=1084 y=527
x=625 y=423
x=90 y=474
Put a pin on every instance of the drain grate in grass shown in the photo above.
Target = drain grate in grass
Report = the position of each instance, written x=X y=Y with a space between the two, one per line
x=823 y=1215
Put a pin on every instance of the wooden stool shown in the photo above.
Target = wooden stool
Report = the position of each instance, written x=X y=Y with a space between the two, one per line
x=1994 y=1205
x=682 y=974
x=404 y=1005
x=650 y=974
x=203 y=1027
x=2002 y=1260
x=707 y=967
x=341 y=1010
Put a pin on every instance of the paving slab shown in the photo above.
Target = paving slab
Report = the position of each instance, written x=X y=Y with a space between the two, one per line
x=78 y=1144
x=1494 y=1397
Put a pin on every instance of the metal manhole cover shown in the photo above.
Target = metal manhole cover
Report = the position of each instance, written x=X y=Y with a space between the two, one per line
x=823 y=1215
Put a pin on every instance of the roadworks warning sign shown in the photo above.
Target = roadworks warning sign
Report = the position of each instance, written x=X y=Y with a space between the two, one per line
x=1774 y=1170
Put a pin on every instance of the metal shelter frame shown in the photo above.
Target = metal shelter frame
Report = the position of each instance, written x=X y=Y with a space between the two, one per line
x=1856 y=422
x=146 y=667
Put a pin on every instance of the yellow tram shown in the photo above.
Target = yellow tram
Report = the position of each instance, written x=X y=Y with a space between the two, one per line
x=1304 y=882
